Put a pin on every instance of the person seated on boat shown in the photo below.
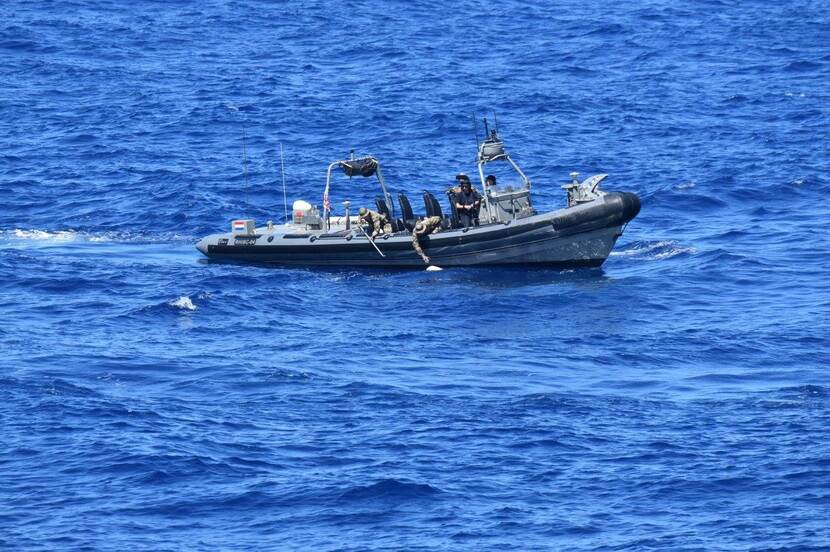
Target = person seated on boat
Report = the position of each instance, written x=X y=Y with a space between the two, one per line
x=378 y=221
x=424 y=227
x=467 y=202
x=490 y=181
x=459 y=178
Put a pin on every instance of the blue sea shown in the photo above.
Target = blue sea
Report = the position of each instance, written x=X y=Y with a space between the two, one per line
x=676 y=399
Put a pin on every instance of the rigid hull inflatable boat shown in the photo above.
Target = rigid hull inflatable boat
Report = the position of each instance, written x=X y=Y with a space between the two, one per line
x=508 y=230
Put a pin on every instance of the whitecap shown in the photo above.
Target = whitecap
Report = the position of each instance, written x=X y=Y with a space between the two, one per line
x=183 y=303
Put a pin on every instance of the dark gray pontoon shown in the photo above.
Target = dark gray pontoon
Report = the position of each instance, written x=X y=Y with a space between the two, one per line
x=509 y=230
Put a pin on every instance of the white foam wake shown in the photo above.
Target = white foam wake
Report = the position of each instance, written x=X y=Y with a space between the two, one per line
x=657 y=250
x=46 y=236
x=40 y=235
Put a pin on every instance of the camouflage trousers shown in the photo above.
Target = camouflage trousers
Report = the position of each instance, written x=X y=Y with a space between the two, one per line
x=424 y=227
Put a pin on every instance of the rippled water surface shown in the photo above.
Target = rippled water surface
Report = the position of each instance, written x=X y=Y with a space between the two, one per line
x=676 y=399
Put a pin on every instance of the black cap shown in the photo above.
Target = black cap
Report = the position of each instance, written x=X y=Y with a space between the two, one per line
x=462 y=177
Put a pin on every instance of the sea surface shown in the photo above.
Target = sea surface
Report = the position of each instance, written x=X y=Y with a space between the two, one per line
x=676 y=399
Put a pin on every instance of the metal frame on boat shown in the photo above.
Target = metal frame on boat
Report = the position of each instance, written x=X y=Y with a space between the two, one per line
x=363 y=166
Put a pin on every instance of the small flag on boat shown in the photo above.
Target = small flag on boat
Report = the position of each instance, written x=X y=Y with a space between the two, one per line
x=243 y=226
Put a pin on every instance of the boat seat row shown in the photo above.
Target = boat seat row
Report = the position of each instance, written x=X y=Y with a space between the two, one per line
x=397 y=224
x=431 y=207
x=409 y=218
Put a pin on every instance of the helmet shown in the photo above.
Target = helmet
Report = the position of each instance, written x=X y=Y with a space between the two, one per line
x=362 y=211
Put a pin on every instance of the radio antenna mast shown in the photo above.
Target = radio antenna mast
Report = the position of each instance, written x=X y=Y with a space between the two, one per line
x=284 y=196
x=244 y=159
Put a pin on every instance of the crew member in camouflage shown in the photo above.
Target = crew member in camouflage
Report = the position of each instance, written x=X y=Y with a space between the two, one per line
x=378 y=222
x=424 y=227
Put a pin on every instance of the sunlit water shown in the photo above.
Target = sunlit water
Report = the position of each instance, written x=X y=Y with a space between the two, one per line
x=676 y=399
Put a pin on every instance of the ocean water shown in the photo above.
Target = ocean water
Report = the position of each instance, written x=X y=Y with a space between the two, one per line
x=675 y=399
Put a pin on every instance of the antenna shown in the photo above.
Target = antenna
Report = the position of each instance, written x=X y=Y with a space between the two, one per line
x=495 y=122
x=486 y=129
x=475 y=128
x=244 y=151
x=245 y=160
x=284 y=196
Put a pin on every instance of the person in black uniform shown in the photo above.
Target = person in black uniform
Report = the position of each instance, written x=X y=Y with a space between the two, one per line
x=467 y=202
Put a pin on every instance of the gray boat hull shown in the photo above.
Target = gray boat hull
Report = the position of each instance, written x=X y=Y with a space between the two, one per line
x=580 y=236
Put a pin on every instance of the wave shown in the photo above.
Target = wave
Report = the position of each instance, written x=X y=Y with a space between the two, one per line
x=806 y=391
x=27 y=46
x=390 y=490
x=183 y=304
x=802 y=66
x=608 y=29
